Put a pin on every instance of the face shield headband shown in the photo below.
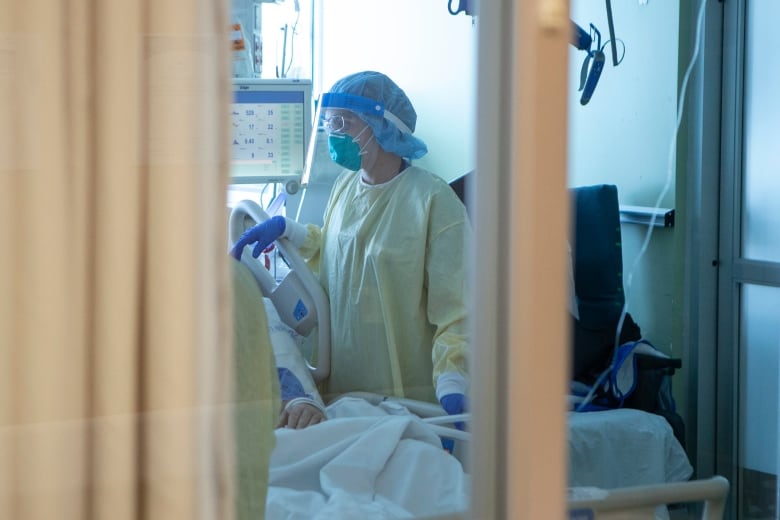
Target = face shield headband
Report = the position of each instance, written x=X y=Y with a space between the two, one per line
x=362 y=105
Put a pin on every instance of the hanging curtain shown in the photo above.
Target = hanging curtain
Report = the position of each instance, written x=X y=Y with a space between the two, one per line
x=115 y=303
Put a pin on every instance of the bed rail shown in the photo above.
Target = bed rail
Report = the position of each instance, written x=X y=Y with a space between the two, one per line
x=639 y=502
x=299 y=298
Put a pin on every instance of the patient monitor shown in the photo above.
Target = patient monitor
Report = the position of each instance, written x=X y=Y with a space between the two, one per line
x=271 y=124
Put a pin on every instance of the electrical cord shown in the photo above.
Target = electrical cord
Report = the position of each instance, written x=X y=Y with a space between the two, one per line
x=287 y=64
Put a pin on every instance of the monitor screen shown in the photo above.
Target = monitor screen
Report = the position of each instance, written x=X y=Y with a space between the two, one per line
x=271 y=123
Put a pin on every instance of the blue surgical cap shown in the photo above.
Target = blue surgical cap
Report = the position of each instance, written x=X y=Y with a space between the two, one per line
x=378 y=101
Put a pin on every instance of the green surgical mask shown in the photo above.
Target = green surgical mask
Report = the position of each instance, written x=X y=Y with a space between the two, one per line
x=345 y=151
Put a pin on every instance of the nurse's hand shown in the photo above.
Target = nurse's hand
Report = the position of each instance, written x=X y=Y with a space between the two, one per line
x=454 y=404
x=263 y=235
x=298 y=414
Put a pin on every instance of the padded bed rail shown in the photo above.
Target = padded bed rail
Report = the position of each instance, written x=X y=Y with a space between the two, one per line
x=299 y=298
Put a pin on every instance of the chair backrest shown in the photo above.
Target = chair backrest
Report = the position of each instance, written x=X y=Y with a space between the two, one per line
x=461 y=186
x=597 y=255
x=597 y=259
x=597 y=252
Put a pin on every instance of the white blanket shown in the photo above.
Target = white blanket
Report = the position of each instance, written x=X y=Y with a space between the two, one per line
x=369 y=462
x=625 y=447
x=363 y=463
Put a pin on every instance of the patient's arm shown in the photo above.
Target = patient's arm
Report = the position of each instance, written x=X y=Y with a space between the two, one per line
x=300 y=413
x=299 y=409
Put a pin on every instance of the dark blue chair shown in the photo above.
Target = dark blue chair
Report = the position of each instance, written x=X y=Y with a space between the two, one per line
x=597 y=257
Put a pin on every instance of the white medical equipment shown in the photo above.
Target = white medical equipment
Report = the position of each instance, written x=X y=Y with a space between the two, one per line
x=299 y=299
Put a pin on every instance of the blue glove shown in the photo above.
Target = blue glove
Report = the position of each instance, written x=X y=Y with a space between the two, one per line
x=264 y=234
x=454 y=404
x=448 y=444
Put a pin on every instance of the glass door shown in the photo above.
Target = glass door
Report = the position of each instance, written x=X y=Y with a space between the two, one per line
x=749 y=328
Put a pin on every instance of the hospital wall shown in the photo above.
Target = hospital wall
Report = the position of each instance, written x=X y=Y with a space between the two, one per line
x=623 y=137
x=430 y=54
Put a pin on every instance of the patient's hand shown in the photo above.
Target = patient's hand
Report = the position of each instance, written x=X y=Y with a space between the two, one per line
x=299 y=415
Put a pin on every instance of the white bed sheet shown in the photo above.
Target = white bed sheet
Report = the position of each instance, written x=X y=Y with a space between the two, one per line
x=363 y=462
x=625 y=447
x=381 y=462
x=367 y=461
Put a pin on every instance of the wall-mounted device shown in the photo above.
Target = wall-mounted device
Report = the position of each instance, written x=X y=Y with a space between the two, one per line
x=594 y=60
x=463 y=6
x=593 y=65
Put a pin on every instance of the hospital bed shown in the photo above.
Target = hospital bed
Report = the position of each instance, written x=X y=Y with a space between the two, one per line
x=607 y=450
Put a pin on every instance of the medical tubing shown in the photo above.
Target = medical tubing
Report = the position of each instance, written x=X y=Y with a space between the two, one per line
x=670 y=169
x=292 y=40
x=600 y=381
x=661 y=195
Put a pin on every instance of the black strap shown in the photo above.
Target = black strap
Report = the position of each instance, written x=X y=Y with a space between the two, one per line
x=612 y=38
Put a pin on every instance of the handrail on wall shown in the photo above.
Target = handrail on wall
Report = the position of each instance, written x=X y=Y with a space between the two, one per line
x=659 y=217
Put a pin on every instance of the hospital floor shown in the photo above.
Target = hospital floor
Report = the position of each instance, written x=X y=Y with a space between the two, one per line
x=759 y=499
x=759 y=496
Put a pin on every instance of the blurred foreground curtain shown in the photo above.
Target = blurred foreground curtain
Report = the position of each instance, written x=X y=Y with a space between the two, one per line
x=115 y=359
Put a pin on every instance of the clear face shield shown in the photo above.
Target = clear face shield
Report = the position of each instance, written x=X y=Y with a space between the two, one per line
x=338 y=123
